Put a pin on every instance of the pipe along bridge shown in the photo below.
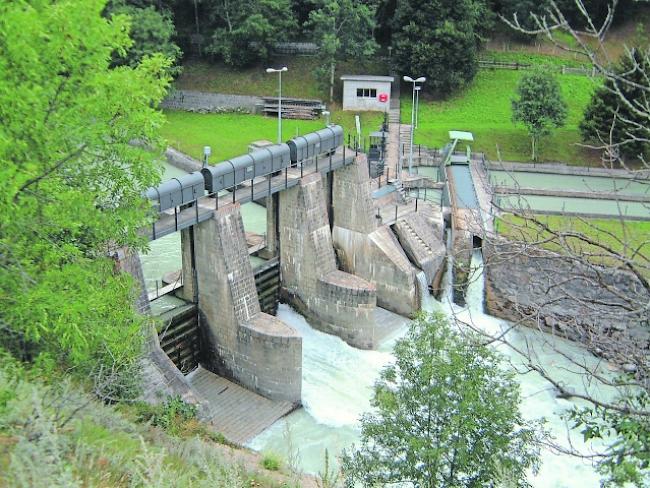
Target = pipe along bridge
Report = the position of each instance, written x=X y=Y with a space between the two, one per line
x=191 y=199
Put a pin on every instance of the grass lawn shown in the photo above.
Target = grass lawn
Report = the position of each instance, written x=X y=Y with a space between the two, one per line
x=230 y=134
x=626 y=238
x=484 y=108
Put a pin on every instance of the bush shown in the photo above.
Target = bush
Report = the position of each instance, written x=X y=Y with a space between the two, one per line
x=271 y=461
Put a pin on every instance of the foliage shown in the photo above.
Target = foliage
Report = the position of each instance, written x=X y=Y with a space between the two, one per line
x=439 y=39
x=343 y=30
x=244 y=31
x=612 y=111
x=151 y=31
x=446 y=415
x=171 y=415
x=72 y=182
x=484 y=108
x=628 y=434
x=539 y=106
x=271 y=461
x=53 y=434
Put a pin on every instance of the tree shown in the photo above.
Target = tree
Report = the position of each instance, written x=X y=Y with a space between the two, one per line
x=245 y=31
x=446 y=415
x=151 y=32
x=343 y=30
x=439 y=39
x=615 y=118
x=539 y=106
x=72 y=182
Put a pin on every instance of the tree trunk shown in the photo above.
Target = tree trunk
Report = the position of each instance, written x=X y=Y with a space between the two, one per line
x=534 y=156
x=332 y=67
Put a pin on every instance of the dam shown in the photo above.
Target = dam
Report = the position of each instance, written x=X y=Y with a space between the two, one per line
x=355 y=259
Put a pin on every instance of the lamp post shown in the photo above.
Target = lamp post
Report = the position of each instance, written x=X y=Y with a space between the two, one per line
x=279 y=72
x=421 y=79
x=417 y=104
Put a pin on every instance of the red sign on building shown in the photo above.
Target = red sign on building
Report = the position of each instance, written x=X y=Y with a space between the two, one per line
x=383 y=97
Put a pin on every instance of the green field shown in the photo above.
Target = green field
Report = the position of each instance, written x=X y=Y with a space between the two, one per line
x=627 y=238
x=484 y=108
x=230 y=134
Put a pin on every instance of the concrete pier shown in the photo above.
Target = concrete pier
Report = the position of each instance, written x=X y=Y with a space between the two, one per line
x=242 y=343
x=335 y=302
x=367 y=249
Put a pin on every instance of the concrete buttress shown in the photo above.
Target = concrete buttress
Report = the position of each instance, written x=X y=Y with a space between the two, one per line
x=254 y=349
x=334 y=301
x=370 y=251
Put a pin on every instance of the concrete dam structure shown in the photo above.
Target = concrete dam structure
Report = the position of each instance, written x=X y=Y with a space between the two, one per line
x=338 y=264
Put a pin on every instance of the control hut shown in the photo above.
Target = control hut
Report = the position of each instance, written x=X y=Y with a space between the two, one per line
x=366 y=92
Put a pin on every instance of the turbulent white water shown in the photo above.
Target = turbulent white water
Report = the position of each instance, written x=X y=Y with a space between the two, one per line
x=337 y=381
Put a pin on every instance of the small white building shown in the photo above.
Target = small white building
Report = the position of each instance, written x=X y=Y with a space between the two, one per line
x=366 y=92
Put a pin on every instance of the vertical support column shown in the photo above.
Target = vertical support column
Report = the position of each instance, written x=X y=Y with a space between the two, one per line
x=271 y=249
x=189 y=291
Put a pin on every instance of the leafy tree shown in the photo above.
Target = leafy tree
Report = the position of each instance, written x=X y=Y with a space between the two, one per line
x=343 y=30
x=446 y=415
x=72 y=183
x=151 y=31
x=539 y=106
x=616 y=109
x=439 y=39
x=244 y=31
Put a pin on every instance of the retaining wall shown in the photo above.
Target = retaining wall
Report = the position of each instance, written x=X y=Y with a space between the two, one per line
x=196 y=101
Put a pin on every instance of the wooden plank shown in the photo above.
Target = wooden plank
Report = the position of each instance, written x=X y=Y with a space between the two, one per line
x=239 y=414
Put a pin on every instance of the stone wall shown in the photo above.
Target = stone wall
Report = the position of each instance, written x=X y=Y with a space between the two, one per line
x=182 y=161
x=241 y=343
x=369 y=251
x=196 y=101
x=335 y=302
x=553 y=293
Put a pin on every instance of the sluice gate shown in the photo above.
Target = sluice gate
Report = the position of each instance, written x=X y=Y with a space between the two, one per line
x=178 y=332
x=267 y=282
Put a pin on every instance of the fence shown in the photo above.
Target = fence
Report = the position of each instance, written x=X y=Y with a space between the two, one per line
x=565 y=70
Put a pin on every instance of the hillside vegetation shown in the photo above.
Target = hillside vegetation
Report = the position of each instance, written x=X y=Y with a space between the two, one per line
x=484 y=108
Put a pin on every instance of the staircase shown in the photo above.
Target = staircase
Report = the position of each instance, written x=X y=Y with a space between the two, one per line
x=417 y=238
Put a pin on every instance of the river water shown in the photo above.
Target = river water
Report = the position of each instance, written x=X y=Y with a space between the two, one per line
x=337 y=382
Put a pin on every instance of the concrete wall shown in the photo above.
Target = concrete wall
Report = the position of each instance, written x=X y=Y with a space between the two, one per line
x=367 y=250
x=352 y=102
x=196 y=101
x=182 y=161
x=334 y=301
x=241 y=343
x=419 y=239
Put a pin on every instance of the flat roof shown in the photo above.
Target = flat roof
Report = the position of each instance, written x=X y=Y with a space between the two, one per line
x=387 y=79
x=461 y=135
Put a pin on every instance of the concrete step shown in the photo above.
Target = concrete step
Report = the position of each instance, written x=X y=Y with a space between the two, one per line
x=238 y=413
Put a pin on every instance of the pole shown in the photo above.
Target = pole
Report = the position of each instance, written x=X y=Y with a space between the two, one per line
x=280 y=107
x=417 y=107
x=412 y=130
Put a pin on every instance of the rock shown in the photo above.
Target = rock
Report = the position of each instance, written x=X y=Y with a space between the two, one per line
x=629 y=368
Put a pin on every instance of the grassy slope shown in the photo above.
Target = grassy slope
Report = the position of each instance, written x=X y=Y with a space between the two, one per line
x=609 y=232
x=230 y=134
x=484 y=108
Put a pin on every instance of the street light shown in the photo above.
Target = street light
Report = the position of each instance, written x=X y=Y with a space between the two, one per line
x=417 y=104
x=279 y=72
x=421 y=79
